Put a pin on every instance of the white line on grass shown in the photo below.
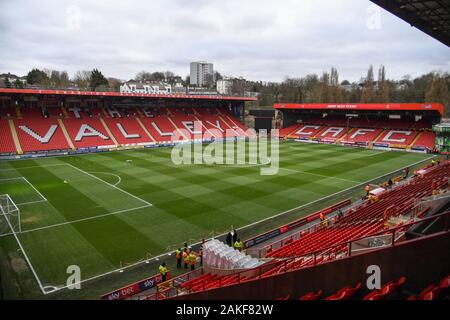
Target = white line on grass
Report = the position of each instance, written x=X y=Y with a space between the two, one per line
x=11 y=179
x=31 y=167
x=84 y=219
x=35 y=188
x=319 y=175
x=111 y=185
x=244 y=227
x=111 y=174
x=24 y=253
x=30 y=202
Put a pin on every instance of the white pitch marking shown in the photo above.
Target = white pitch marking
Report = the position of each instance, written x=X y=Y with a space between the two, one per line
x=320 y=175
x=111 y=185
x=31 y=167
x=11 y=179
x=111 y=174
x=31 y=202
x=84 y=219
x=35 y=189
x=24 y=254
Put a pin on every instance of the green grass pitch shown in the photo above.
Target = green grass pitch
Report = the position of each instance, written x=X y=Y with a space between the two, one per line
x=101 y=211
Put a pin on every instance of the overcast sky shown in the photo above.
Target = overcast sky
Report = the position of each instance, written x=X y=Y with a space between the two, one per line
x=256 y=39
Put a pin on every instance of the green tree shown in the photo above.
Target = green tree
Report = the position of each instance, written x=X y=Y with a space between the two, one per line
x=64 y=79
x=18 y=84
x=7 y=83
x=97 y=80
x=37 y=76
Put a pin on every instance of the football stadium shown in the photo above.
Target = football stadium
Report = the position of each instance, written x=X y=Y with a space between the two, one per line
x=174 y=196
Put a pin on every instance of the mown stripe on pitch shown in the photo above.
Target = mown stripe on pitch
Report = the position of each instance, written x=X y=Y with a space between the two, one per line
x=346 y=166
x=65 y=198
x=138 y=186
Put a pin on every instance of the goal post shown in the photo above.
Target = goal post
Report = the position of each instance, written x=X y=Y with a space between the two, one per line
x=9 y=216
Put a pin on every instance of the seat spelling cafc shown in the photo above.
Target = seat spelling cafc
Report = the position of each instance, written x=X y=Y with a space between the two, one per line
x=345 y=293
x=387 y=290
x=311 y=296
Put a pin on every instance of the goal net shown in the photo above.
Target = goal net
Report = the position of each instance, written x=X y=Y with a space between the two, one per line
x=9 y=216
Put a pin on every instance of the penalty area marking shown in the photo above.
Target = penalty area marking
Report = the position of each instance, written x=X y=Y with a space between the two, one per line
x=84 y=219
x=110 y=174
x=44 y=199
x=111 y=185
x=25 y=256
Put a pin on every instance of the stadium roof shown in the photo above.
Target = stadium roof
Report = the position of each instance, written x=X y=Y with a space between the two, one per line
x=360 y=106
x=432 y=17
x=118 y=94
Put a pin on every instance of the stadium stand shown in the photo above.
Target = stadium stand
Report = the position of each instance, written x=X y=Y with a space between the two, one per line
x=425 y=140
x=6 y=139
x=285 y=132
x=306 y=132
x=397 y=137
x=327 y=244
x=39 y=129
x=8 y=112
x=127 y=131
x=310 y=296
x=39 y=134
x=387 y=290
x=434 y=292
x=359 y=135
x=87 y=133
x=345 y=293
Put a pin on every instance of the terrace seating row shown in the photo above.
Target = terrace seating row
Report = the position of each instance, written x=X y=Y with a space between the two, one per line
x=367 y=218
x=361 y=135
x=106 y=129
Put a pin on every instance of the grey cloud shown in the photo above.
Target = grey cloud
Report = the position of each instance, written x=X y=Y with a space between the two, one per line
x=260 y=40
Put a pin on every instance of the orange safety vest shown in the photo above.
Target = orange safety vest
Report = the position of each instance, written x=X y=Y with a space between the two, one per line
x=321 y=216
x=185 y=257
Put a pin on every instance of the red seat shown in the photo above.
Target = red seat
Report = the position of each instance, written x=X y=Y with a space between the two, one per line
x=388 y=289
x=311 y=296
x=432 y=292
x=345 y=293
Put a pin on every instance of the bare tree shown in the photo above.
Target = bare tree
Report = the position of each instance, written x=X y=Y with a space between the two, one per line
x=82 y=79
